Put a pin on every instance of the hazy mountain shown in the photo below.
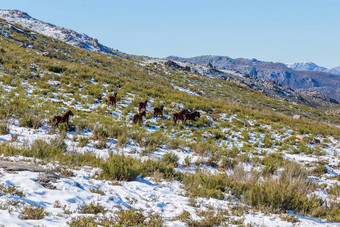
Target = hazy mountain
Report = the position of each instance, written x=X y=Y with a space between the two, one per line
x=323 y=82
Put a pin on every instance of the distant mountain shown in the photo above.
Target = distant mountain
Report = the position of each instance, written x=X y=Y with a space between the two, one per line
x=323 y=82
x=66 y=35
x=310 y=66
x=305 y=66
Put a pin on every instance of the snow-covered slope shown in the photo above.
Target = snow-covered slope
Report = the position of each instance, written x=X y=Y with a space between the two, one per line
x=69 y=36
x=310 y=66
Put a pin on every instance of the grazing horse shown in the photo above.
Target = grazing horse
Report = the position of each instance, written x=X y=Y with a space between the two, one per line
x=138 y=117
x=179 y=116
x=62 y=119
x=158 y=111
x=191 y=116
x=112 y=99
x=142 y=105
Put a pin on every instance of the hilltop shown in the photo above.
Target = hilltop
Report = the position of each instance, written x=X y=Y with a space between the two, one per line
x=249 y=159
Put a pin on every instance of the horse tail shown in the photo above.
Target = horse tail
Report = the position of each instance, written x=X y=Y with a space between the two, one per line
x=54 y=118
x=135 y=118
x=174 y=118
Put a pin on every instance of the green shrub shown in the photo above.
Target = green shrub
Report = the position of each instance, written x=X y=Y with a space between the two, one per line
x=58 y=143
x=170 y=158
x=319 y=170
x=205 y=185
x=83 y=141
x=55 y=68
x=267 y=141
x=4 y=129
x=33 y=212
x=83 y=221
x=100 y=133
x=121 y=168
x=92 y=208
x=129 y=218
x=187 y=161
x=228 y=163
x=100 y=145
x=30 y=122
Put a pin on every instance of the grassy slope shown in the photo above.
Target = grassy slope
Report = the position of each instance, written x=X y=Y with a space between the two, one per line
x=76 y=70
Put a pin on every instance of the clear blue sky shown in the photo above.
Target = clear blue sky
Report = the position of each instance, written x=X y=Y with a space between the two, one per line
x=271 y=30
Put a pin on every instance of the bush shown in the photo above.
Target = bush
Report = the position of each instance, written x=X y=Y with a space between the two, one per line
x=121 y=168
x=92 y=209
x=32 y=212
x=204 y=185
x=4 y=129
x=30 y=122
x=170 y=158
x=58 y=143
x=129 y=218
x=227 y=163
x=55 y=68
x=116 y=131
x=101 y=144
x=267 y=141
x=100 y=133
x=83 y=141
x=319 y=170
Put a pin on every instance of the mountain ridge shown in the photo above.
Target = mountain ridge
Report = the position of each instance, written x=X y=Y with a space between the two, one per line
x=69 y=36
x=323 y=82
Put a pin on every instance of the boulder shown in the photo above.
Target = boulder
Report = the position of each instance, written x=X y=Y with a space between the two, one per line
x=296 y=117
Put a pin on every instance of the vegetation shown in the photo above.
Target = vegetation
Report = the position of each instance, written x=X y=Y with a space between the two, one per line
x=247 y=128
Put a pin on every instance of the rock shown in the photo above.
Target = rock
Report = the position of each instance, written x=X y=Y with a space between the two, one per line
x=296 y=117
x=177 y=66
x=46 y=54
x=95 y=43
x=316 y=141
x=175 y=105
x=48 y=178
x=300 y=137
x=20 y=166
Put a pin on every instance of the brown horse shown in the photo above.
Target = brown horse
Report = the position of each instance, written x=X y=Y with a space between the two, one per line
x=179 y=116
x=138 y=117
x=191 y=116
x=158 y=111
x=62 y=119
x=142 y=105
x=112 y=99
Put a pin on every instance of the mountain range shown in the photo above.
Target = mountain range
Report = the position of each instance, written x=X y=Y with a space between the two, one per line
x=323 y=82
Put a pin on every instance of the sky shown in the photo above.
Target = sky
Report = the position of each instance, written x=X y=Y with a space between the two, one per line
x=270 y=30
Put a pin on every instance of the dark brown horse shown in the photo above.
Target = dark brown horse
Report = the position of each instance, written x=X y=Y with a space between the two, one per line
x=112 y=99
x=142 y=105
x=62 y=119
x=191 y=116
x=179 y=116
x=158 y=111
x=138 y=117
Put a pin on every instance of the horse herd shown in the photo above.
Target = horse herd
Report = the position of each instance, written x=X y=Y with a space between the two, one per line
x=183 y=116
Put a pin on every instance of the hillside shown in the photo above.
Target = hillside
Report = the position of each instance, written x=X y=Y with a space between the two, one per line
x=68 y=36
x=245 y=161
x=323 y=82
